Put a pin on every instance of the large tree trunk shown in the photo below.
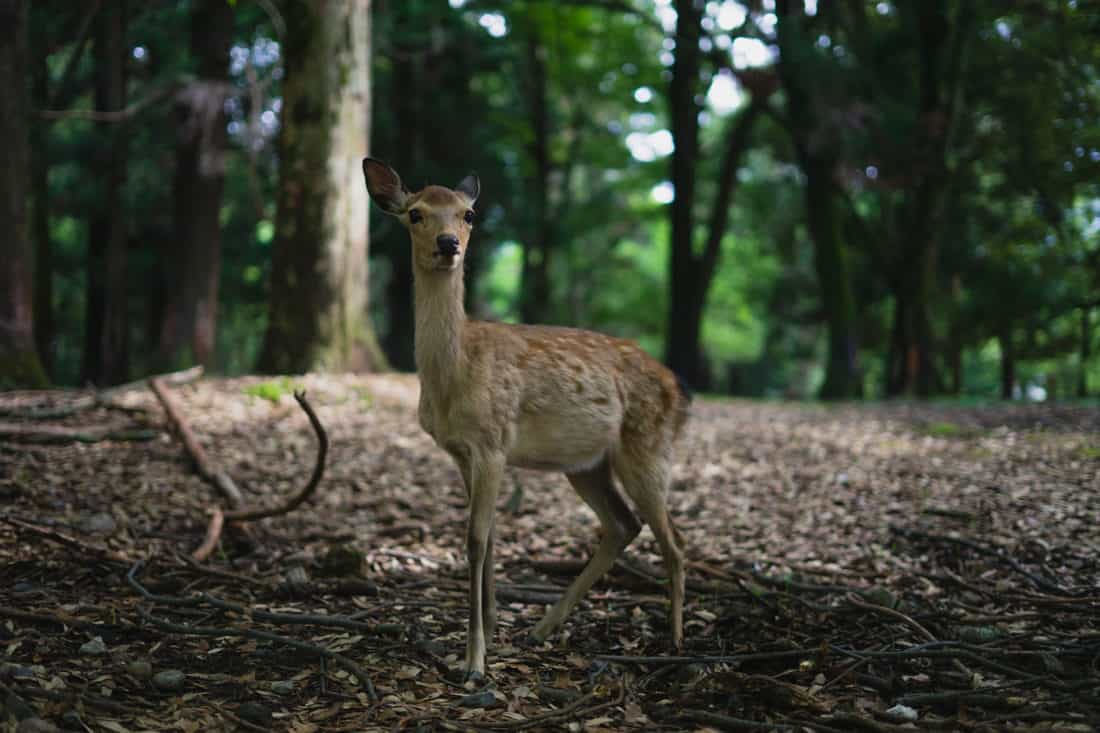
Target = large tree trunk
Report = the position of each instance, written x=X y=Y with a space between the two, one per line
x=682 y=349
x=535 y=287
x=40 y=192
x=191 y=261
x=105 y=350
x=911 y=366
x=318 y=315
x=407 y=75
x=19 y=363
x=816 y=158
x=842 y=375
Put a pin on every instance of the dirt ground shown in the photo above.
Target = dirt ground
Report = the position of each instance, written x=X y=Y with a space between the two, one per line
x=857 y=567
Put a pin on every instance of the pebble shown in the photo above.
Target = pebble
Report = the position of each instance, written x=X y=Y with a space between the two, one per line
x=169 y=680
x=94 y=648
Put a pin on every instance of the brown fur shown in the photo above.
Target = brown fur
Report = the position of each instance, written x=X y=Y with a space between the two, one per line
x=558 y=399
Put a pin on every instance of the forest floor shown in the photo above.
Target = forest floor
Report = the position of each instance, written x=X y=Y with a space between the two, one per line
x=853 y=567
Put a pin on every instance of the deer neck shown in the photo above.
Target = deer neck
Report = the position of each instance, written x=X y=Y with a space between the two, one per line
x=440 y=319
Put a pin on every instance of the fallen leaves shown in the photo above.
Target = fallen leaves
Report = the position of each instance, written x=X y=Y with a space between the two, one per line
x=847 y=565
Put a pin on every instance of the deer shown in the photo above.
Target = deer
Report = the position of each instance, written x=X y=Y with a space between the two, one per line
x=494 y=395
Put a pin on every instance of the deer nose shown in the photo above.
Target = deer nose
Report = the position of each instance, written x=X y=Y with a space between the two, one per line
x=448 y=244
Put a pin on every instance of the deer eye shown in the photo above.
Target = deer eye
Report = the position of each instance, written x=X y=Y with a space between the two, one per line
x=469 y=216
x=415 y=217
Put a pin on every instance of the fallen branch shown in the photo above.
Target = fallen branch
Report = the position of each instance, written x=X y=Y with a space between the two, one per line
x=100 y=398
x=50 y=434
x=218 y=517
x=203 y=464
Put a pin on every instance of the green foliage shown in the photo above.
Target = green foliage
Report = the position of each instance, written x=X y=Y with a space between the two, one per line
x=273 y=390
x=456 y=88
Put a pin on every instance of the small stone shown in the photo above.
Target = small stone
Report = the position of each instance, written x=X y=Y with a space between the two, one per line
x=283 y=687
x=22 y=587
x=482 y=699
x=100 y=523
x=94 y=648
x=169 y=680
x=256 y=713
x=902 y=712
x=140 y=669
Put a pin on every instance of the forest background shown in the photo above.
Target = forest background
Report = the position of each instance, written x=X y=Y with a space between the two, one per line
x=780 y=198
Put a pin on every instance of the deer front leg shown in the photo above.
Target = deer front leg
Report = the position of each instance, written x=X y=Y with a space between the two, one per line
x=485 y=475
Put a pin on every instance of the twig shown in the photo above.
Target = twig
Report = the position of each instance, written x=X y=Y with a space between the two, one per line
x=248 y=515
x=217 y=519
x=716 y=659
x=206 y=469
x=72 y=543
x=60 y=618
x=726 y=722
x=997 y=553
x=334 y=657
x=114 y=115
x=213 y=534
x=22 y=432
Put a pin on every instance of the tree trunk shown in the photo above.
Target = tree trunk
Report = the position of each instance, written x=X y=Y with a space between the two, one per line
x=1008 y=362
x=40 y=224
x=535 y=287
x=816 y=158
x=105 y=350
x=407 y=80
x=682 y=351
x=19 y=363
x=318 y=316
x=191 y=261
x=842 y=374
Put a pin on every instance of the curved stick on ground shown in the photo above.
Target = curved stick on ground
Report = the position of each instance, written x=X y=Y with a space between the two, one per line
x=210 y=472
x=218 y=518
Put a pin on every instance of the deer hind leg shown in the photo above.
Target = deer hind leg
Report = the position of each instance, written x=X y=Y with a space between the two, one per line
x=620 y=526
x=489 y=588
x=645 y=482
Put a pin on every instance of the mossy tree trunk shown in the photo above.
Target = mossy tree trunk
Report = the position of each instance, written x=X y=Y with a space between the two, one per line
x=318 y=316
x=191 y=260
x=19 y=363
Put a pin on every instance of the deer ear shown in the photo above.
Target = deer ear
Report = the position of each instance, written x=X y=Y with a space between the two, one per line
x=469 y=187
x=385 y=187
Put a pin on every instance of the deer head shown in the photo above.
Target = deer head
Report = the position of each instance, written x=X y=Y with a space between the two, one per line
x=439 y=219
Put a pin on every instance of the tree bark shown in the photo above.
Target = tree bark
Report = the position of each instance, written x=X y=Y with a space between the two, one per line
x=106 y=343
x=1008 y=361
x=40 y=193
x=682 y=349
x=535 y=287
x=19 y=363
x=191 y=261
x=407 y=78
x=318 y=316
x=815 y=152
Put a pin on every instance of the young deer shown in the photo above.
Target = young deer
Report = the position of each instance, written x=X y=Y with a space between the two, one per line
x=556 y=399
